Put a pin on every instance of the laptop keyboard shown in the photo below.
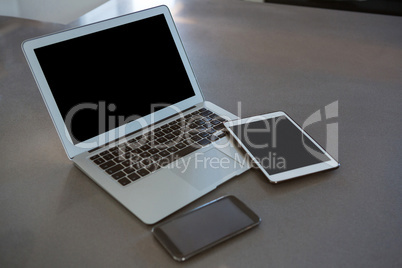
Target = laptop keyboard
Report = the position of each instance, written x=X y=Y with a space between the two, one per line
x=140 y=156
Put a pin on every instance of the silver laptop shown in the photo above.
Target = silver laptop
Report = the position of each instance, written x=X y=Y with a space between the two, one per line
x=130 y=114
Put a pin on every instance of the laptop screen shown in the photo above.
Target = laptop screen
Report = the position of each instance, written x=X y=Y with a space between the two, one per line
x=106 y=79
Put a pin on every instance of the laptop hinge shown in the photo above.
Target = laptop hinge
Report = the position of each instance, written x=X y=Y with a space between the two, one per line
x=139 y=130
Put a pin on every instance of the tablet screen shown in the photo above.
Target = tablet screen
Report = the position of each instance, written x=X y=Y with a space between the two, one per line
x=278 y=145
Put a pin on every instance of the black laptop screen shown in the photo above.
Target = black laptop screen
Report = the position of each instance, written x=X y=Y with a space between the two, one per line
x=103 y=80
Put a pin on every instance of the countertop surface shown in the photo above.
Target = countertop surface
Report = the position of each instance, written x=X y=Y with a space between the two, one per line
x=251 y=59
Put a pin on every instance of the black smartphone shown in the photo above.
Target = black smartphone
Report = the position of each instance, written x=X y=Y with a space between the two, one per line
x=201 y=228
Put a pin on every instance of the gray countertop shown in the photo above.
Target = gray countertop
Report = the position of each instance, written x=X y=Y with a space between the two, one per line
x=251 y=59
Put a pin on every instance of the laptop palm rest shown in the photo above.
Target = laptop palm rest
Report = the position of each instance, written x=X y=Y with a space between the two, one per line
x=206 y=169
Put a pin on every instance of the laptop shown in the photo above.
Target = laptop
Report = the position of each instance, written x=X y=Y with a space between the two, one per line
x=130 y=114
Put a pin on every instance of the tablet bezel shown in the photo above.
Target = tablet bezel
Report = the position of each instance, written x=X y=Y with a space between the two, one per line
x=290 y=174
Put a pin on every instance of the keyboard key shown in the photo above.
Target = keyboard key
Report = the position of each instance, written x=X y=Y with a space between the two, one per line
x=167 y=130
x=172 y=149
x=213 y=116
x=217 y=136
x=136 y=151
x=164 y=161
x=108 y=156
x=119 y=159
x=175 y=127
x=129 y=170
x=159 y=134
x=107 y=164
x=136 y=144
x=207 y=119
x=192 y=125
x=114 y=169
x=99 y=161
x=203 y=134
x=180 y=120
x=126 y=155
x=195 y=138
x=193 y=132
x=146 y=161
x=118 y=175
x=143 y=172
x=145 y=147
x=177 y=133
x=201 y=128
x=124 y=181
x=126 y=149
x=155 y=157
x=116 y=153
x=219 y=127
x=188 y=141
x=186 y=151
x=153 y=151
x=208 y=125
x=153 y=167
x=145 y=154
x=135 y=158
x=133 y=176
x=213 y=138
x=103 y=153
x=200 y=122
x=204 y=142
x=169 y=136
x=206 y=113
x=139 y=137
x=180 y=145
x=162 y=140
x=211 y=131
x=164 y=153
x=94 y=157
x=137 y=165
x=162 y=147
x=221 y=135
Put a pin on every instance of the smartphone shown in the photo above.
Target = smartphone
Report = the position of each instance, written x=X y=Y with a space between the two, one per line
x=206 y=226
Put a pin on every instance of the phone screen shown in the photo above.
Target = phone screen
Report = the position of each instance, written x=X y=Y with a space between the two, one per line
x=205 y=226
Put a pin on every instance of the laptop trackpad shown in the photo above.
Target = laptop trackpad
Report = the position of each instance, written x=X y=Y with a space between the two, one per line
x=205 y=169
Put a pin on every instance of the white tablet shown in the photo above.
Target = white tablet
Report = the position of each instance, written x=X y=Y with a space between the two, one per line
x=279 y=147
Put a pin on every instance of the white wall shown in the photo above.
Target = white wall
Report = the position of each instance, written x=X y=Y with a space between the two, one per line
x=58 y=11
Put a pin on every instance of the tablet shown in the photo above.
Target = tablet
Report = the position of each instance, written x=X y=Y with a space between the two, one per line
x=279 y=147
